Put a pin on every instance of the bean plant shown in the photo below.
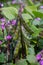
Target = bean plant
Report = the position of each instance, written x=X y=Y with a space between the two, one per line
x=21 y=32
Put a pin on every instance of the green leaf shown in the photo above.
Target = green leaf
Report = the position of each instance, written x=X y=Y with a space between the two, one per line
x=38 y=14
x=41 y=10
x=35 y=22
x=35 y=30
x=30 y=2
x=1 y=38
x=21 y=62
x=32 y=59
x=11 y=64
x=2 y=57
x=38 y=4
x=26 y=17
x=41 y=43
x=1 y=31
x=29 y=10
x=31 y=50
x=9 y=12
x=33 y=8
x=41 y=22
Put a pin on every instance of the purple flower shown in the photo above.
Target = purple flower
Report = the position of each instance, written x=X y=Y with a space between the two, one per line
x=2 y=19
x=41 y=62
x=38 y=19
x=0 y=42
x=42 y=51
x=1 y=5
x=9 y=37
x=13 y=1
x=13 y=22
x=3 y=26
x=41 y=7
x=7 y=23
x=38 y=57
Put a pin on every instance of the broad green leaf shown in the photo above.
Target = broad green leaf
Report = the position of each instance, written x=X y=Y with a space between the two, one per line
x=36 y=22
x=29 y=10
x=35 y=30
x=26 y=17
x=21 y=62
x=31 y=50
x=38 y=4
x=30 y=2
x=2 y=57
x=41 y=10
x=38 y=14
x=9 y=12
x=1 y=38
x=33 y=8
x=31 y=59
x=41 y=22
x=36 y=34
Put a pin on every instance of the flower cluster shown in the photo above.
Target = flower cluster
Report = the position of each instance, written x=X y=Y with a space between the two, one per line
x=38 y=19
x=39 y=57
x=41 y=7
x=1 y=5
x=0 y=42
x=6 y=24
x=8 y=37
x=13 y=1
